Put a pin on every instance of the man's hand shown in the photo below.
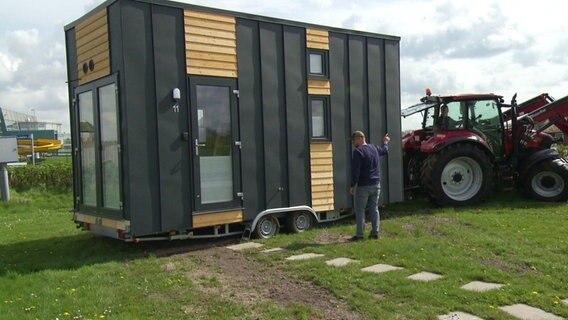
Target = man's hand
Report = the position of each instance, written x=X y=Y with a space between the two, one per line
x=386 y=138
x=352 y=191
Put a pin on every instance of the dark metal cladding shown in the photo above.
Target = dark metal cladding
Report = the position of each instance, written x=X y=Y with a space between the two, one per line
x=358 y=84
x=72 y=72
x=377 y=105
x=393 y=126
x=340 y=118
x=250 y=117
x=297 y=115
x=274 y=115
x=169 y=57
x=141 y=130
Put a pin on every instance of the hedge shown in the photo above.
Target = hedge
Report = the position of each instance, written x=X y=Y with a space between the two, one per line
x=57 y=176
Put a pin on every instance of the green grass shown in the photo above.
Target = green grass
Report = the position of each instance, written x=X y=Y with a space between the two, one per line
x=49 y=269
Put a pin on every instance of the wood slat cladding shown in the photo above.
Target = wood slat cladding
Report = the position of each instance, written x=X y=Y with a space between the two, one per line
x=317 y=39
x=211 y=45
x=93 y=56
x=319 y=87
x=217 y=218
x=321 y=168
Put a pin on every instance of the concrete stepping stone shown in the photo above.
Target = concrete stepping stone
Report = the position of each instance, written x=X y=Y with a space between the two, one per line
x=245 y=246
x=273 y=250
x=380 y=268
x=425 y=276
x=525 y=312
x=305 y=256
x=480 y=286
x=458 y=315
x=565 y=301
x=340 y=262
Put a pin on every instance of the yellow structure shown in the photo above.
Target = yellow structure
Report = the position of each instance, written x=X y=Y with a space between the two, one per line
x=39 y=146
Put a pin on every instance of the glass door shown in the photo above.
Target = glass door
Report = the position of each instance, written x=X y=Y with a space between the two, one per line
x=216 y=149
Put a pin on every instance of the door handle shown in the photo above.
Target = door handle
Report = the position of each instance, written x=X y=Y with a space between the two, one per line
x=197 y=145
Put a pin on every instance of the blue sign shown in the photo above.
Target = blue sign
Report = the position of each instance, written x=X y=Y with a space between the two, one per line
x=25 y=136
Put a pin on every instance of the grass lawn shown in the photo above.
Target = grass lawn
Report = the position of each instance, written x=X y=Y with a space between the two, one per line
x=51 y=270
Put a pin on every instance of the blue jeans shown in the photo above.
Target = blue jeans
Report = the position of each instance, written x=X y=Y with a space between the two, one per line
x=367 y=196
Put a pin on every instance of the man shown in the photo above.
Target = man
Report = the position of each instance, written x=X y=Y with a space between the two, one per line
x=446 y=122
x=365 y=182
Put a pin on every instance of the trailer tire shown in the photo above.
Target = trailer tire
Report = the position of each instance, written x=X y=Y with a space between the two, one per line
x=458 y=175
x=300 y=221
x=547 y=181
x=267 y=227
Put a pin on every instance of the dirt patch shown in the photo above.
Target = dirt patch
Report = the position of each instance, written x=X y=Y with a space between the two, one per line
x=326 y=237
x=243 y=280
x=507 y=267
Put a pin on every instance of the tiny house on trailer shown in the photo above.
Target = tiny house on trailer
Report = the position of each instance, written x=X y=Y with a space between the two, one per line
x=190 y=121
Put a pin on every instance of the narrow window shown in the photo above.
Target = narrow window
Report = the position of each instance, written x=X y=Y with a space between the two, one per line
x=317 y=63
x=319 y=109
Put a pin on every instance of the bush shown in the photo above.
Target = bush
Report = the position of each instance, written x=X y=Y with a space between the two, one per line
x=563 y=150
x=56 y=176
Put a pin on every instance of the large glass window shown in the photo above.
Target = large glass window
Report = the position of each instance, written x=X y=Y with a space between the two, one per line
x=109 y=147
x=214 y=143
x=87 y=136
x=99 y=147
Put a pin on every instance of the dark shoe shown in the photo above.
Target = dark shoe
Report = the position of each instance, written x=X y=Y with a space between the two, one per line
x=373 y=236
x=355 y=239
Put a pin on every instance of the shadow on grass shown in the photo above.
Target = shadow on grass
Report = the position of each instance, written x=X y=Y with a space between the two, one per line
x=74 y=252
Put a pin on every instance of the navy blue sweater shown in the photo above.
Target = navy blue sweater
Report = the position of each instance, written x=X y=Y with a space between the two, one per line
x=365 y=169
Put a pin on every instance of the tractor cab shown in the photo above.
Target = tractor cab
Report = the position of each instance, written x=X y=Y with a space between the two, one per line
x=446 y=119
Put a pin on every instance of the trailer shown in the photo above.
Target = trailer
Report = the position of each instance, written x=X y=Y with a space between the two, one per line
x=191 y=122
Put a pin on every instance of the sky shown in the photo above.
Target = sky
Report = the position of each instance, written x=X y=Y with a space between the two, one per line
x=452 y=46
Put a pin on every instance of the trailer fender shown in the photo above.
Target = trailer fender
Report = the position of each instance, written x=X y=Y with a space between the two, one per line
x=283 y=210
x=536 y=158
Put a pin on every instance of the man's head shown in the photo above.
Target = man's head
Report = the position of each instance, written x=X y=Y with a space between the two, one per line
x=357 y=138
x=444 y=110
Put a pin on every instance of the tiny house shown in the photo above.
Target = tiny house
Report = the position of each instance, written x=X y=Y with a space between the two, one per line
x=189 y=121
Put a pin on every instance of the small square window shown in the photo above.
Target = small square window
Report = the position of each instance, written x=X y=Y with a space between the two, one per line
x=317 y=64
x=319 y=113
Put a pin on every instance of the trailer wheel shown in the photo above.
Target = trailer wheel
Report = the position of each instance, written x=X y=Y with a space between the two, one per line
x=457 y=175
x=300 y=221
x=547 y=181
x=267 y=227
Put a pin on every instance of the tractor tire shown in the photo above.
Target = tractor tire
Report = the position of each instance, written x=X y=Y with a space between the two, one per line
x=459 y=175
x=547 y=181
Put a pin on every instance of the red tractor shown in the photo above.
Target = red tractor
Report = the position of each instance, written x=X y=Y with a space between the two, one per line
x=470 y=143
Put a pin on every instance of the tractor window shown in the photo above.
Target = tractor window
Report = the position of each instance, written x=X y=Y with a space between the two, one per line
x=450 y=116
x=485 y=119
x=429 y=118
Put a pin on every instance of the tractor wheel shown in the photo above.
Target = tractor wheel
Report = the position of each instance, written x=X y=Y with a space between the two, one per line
x=547 y=181
x=458 y=175
x=300 y=221
x=267 y=227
